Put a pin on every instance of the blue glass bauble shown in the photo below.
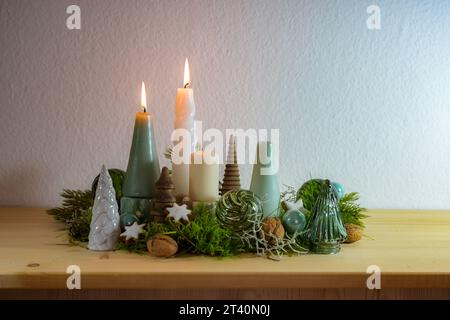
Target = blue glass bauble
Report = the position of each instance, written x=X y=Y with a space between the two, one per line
x=127 y=220
x=294 y=221
x=339 y=188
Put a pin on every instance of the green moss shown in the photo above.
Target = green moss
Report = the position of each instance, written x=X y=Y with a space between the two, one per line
x=203 y=235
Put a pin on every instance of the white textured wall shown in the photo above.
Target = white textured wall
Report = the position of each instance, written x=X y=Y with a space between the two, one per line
x=367 y=108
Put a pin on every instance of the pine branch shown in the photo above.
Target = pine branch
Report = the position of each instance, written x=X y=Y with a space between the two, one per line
x=80 y=225
x=74 y=201
x=76 y=213
x=351 y=211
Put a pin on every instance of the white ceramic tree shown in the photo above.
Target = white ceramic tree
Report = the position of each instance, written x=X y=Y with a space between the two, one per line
x=105 y=223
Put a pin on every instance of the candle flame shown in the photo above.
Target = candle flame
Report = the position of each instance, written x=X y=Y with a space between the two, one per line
x=143 y=97
x=187 y=74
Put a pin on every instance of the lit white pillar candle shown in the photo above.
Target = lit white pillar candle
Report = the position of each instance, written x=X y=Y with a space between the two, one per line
x=184 y=119
x=204 y=177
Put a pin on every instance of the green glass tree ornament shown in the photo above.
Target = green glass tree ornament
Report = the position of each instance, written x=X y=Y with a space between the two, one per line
x=325 y=230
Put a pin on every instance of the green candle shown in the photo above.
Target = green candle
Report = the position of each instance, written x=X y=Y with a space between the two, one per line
x=143 y=166
x=265 y=178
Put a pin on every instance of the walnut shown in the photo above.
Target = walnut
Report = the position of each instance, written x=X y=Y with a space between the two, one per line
x=273 y=230
x=162 y=245
x=354 y=232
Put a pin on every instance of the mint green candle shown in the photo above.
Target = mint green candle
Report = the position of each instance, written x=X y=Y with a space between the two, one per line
x=143 y=167
x=265 y=179
x=143 y=164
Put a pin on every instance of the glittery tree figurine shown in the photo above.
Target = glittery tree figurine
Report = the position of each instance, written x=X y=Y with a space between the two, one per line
x=231 y=178
x=164 y=196
x=105 y=224
x=325 y=230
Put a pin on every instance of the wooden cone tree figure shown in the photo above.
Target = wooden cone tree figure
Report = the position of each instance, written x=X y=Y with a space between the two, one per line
x=164 y=196
x=231 y=178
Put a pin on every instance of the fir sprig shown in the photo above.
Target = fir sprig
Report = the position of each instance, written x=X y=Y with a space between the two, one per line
x=80 y=225
x=76 y=213
x=350 y=209
x=74 y=201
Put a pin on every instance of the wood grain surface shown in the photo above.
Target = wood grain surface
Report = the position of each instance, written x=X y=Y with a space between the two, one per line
x=412 y=249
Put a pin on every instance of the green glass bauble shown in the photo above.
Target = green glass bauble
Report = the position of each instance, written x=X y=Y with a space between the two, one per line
x=294 y=221
x=339 y=189
x=325 y=230
x=237 y=209
x=127 y=220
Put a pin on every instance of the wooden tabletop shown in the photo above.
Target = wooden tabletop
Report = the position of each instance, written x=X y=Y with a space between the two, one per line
x=412 y=249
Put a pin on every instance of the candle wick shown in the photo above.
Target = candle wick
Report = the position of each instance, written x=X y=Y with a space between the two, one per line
x=187 y=85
